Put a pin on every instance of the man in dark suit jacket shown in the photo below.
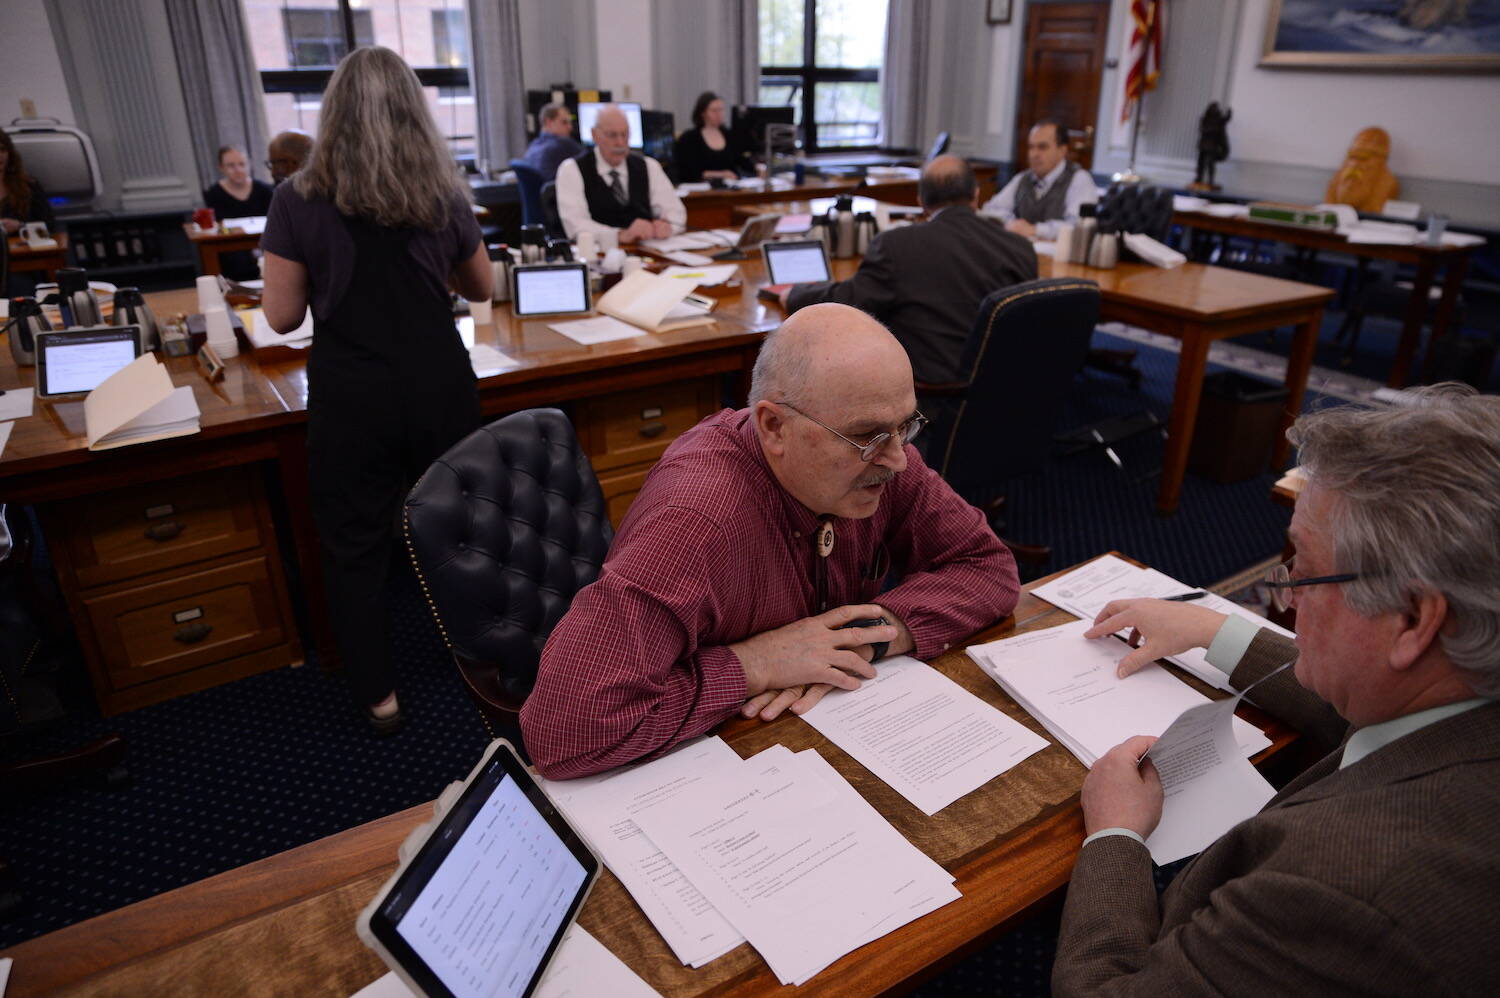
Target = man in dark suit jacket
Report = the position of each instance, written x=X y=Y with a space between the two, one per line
x=926 y=281
x=1376 y=871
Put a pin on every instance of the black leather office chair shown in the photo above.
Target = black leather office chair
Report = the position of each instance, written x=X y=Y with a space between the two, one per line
x=1027 y=343
x=529 y=180
x=503 y=531
x=1136 y=208
x=551 y=218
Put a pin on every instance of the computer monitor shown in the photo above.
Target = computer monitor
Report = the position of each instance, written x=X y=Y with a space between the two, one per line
x=750 y=121
x=588 y=113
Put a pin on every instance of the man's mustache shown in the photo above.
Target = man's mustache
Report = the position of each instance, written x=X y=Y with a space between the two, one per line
x=877 y=477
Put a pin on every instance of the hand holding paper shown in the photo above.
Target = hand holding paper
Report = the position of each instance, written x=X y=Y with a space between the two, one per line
x=1123 y=790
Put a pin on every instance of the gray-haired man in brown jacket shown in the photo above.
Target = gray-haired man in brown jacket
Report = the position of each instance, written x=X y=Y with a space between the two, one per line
x=1378 y=870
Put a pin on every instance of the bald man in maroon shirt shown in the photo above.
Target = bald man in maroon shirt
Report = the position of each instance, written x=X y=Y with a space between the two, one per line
x=760 y=535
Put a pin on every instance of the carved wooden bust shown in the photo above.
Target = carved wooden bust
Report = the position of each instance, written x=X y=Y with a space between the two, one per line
x=1365 y=181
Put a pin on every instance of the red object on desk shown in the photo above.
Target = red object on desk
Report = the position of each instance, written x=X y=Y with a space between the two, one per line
x=204 y=219
x=773 y=292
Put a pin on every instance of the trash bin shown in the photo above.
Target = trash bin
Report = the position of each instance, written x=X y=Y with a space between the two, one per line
x=1236 y=428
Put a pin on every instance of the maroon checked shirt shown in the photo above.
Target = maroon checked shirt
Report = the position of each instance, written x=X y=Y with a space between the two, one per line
x=714 y=551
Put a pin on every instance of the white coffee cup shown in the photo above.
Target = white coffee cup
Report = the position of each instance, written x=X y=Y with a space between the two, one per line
x=609 y=240
x=482 y=312
x=587 y=247
x=631 y=265
x=614 y=260
x=220 y=330
x=210 y=296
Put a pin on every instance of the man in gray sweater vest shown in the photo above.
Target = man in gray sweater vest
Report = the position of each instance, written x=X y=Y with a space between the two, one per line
x=1038 y=200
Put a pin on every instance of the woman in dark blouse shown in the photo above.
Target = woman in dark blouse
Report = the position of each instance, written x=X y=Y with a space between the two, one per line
x=22 y=199
x=707 y=151
x=237 y=195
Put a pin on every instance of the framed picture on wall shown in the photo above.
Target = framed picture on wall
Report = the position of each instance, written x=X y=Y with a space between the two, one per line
x=1385 y=34
x=997 y=12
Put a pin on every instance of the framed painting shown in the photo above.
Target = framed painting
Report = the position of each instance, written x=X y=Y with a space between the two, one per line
x=1425 y=35
x=997 y=12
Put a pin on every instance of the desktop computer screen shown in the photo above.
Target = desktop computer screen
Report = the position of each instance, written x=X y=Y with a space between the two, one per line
x=588 y=113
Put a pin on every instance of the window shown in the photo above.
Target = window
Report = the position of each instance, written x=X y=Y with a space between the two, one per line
x=823 y=58
x=298 y=44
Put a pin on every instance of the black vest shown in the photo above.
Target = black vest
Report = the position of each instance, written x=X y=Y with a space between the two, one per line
x=1052 y=205
x=602 y=204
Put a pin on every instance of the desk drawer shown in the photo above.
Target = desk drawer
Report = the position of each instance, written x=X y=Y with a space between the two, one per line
x=161 y=525
x=631 y=427
x=187 y=622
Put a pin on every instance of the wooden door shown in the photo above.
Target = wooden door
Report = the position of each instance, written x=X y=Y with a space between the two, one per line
x=1063 y=62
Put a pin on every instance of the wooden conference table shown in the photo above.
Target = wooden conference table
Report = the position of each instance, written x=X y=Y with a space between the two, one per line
x=1453 y=261
x=286 y=923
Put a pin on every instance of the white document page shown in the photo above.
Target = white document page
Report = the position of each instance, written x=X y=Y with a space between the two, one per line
x=4 y=436
x=702 y=276
x=805 y=876
x=682 y=241
x=600 y=329
x=251 y=224
x=644 y=298
x=1068 y=683
x=486 y=360
x=16 y=403
x=929 y=738
x=1209 y=785
x=262 y=335
x=602 y=808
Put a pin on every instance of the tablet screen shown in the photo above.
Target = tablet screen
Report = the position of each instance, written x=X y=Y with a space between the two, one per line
x=483 y=906
x=549 y=290
x=796 y=263
x=72 y=362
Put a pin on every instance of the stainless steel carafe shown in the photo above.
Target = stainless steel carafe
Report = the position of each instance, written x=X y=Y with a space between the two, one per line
x=26 y=320
x=131 y=310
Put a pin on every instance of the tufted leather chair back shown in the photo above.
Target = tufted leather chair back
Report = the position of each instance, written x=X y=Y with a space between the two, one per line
x=503 y=531
x=1136 y=208
x=1028 y=342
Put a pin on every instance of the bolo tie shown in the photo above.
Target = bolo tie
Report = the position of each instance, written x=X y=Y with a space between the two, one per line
x=823 y=546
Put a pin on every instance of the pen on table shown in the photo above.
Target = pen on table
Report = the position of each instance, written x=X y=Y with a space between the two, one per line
x=1185 y=597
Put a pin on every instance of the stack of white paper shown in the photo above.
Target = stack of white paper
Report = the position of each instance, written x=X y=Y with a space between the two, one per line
x=599 y=329
x=261 y=334
x=929 y=738
x=796 y=860
x=702 y=276
x=1085 y=591
x=1153 y=252
x=603 y=807
x=684 y=241
x=252 y=225
x=1070 y=685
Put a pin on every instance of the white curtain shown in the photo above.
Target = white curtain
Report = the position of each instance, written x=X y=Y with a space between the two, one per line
x=703 y=45
x=904 y=75
x=220 y=83
x=495 y=75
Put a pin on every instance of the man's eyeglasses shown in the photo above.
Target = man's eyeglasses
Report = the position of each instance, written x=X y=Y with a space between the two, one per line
x=906 y=432
x=1279 y=580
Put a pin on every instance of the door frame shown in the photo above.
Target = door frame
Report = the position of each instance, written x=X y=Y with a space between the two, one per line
x=1020 y=166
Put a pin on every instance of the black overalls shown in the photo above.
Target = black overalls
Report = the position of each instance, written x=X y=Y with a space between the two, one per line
x=390 y=388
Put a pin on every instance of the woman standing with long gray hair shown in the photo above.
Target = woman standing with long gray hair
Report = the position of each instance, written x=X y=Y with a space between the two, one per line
x=370 y=234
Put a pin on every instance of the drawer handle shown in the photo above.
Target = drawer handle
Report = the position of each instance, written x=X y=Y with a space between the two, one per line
x=653 y=430
x=191 y=634
x=164 y=531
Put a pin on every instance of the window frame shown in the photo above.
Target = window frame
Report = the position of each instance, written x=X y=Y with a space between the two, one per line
x=809 y=74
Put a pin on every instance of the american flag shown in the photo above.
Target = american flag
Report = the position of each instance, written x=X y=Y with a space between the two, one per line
x=1143 y=51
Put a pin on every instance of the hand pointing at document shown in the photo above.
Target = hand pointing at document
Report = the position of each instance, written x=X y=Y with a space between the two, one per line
x=1158 y=628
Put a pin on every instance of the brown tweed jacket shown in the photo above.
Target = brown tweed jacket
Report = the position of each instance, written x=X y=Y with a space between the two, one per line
x=1379 y=879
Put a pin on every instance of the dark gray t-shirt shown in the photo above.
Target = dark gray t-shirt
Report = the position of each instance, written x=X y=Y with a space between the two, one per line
x=311 y=233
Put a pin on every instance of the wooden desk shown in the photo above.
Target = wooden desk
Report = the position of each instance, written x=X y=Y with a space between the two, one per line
x=287 y=922
x=715 y=209
x=258 y=415
x=1428 y=260
x=1198 y=304
x=49 y=260
x=212 y=245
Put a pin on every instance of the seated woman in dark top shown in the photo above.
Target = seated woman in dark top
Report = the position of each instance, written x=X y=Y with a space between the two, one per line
x=22 y=199
x=237 y=195
x=707 y=151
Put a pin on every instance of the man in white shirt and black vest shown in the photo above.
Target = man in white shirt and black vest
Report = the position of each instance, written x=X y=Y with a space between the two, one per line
x=610 y=189
x=1037 y=201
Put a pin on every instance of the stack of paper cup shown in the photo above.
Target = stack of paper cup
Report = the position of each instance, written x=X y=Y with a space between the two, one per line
x=587 y=248
x=482 y=312
x=220 y=331
x=631 y=265
x=609 y=240
x=210 y=296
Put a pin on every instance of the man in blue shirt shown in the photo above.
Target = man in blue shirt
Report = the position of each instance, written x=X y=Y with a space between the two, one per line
x=554 y=143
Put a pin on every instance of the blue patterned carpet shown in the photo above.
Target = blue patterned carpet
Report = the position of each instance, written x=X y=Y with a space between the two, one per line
x=236 y=773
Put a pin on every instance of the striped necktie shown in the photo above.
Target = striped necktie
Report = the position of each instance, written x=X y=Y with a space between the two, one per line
x=615 y=187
